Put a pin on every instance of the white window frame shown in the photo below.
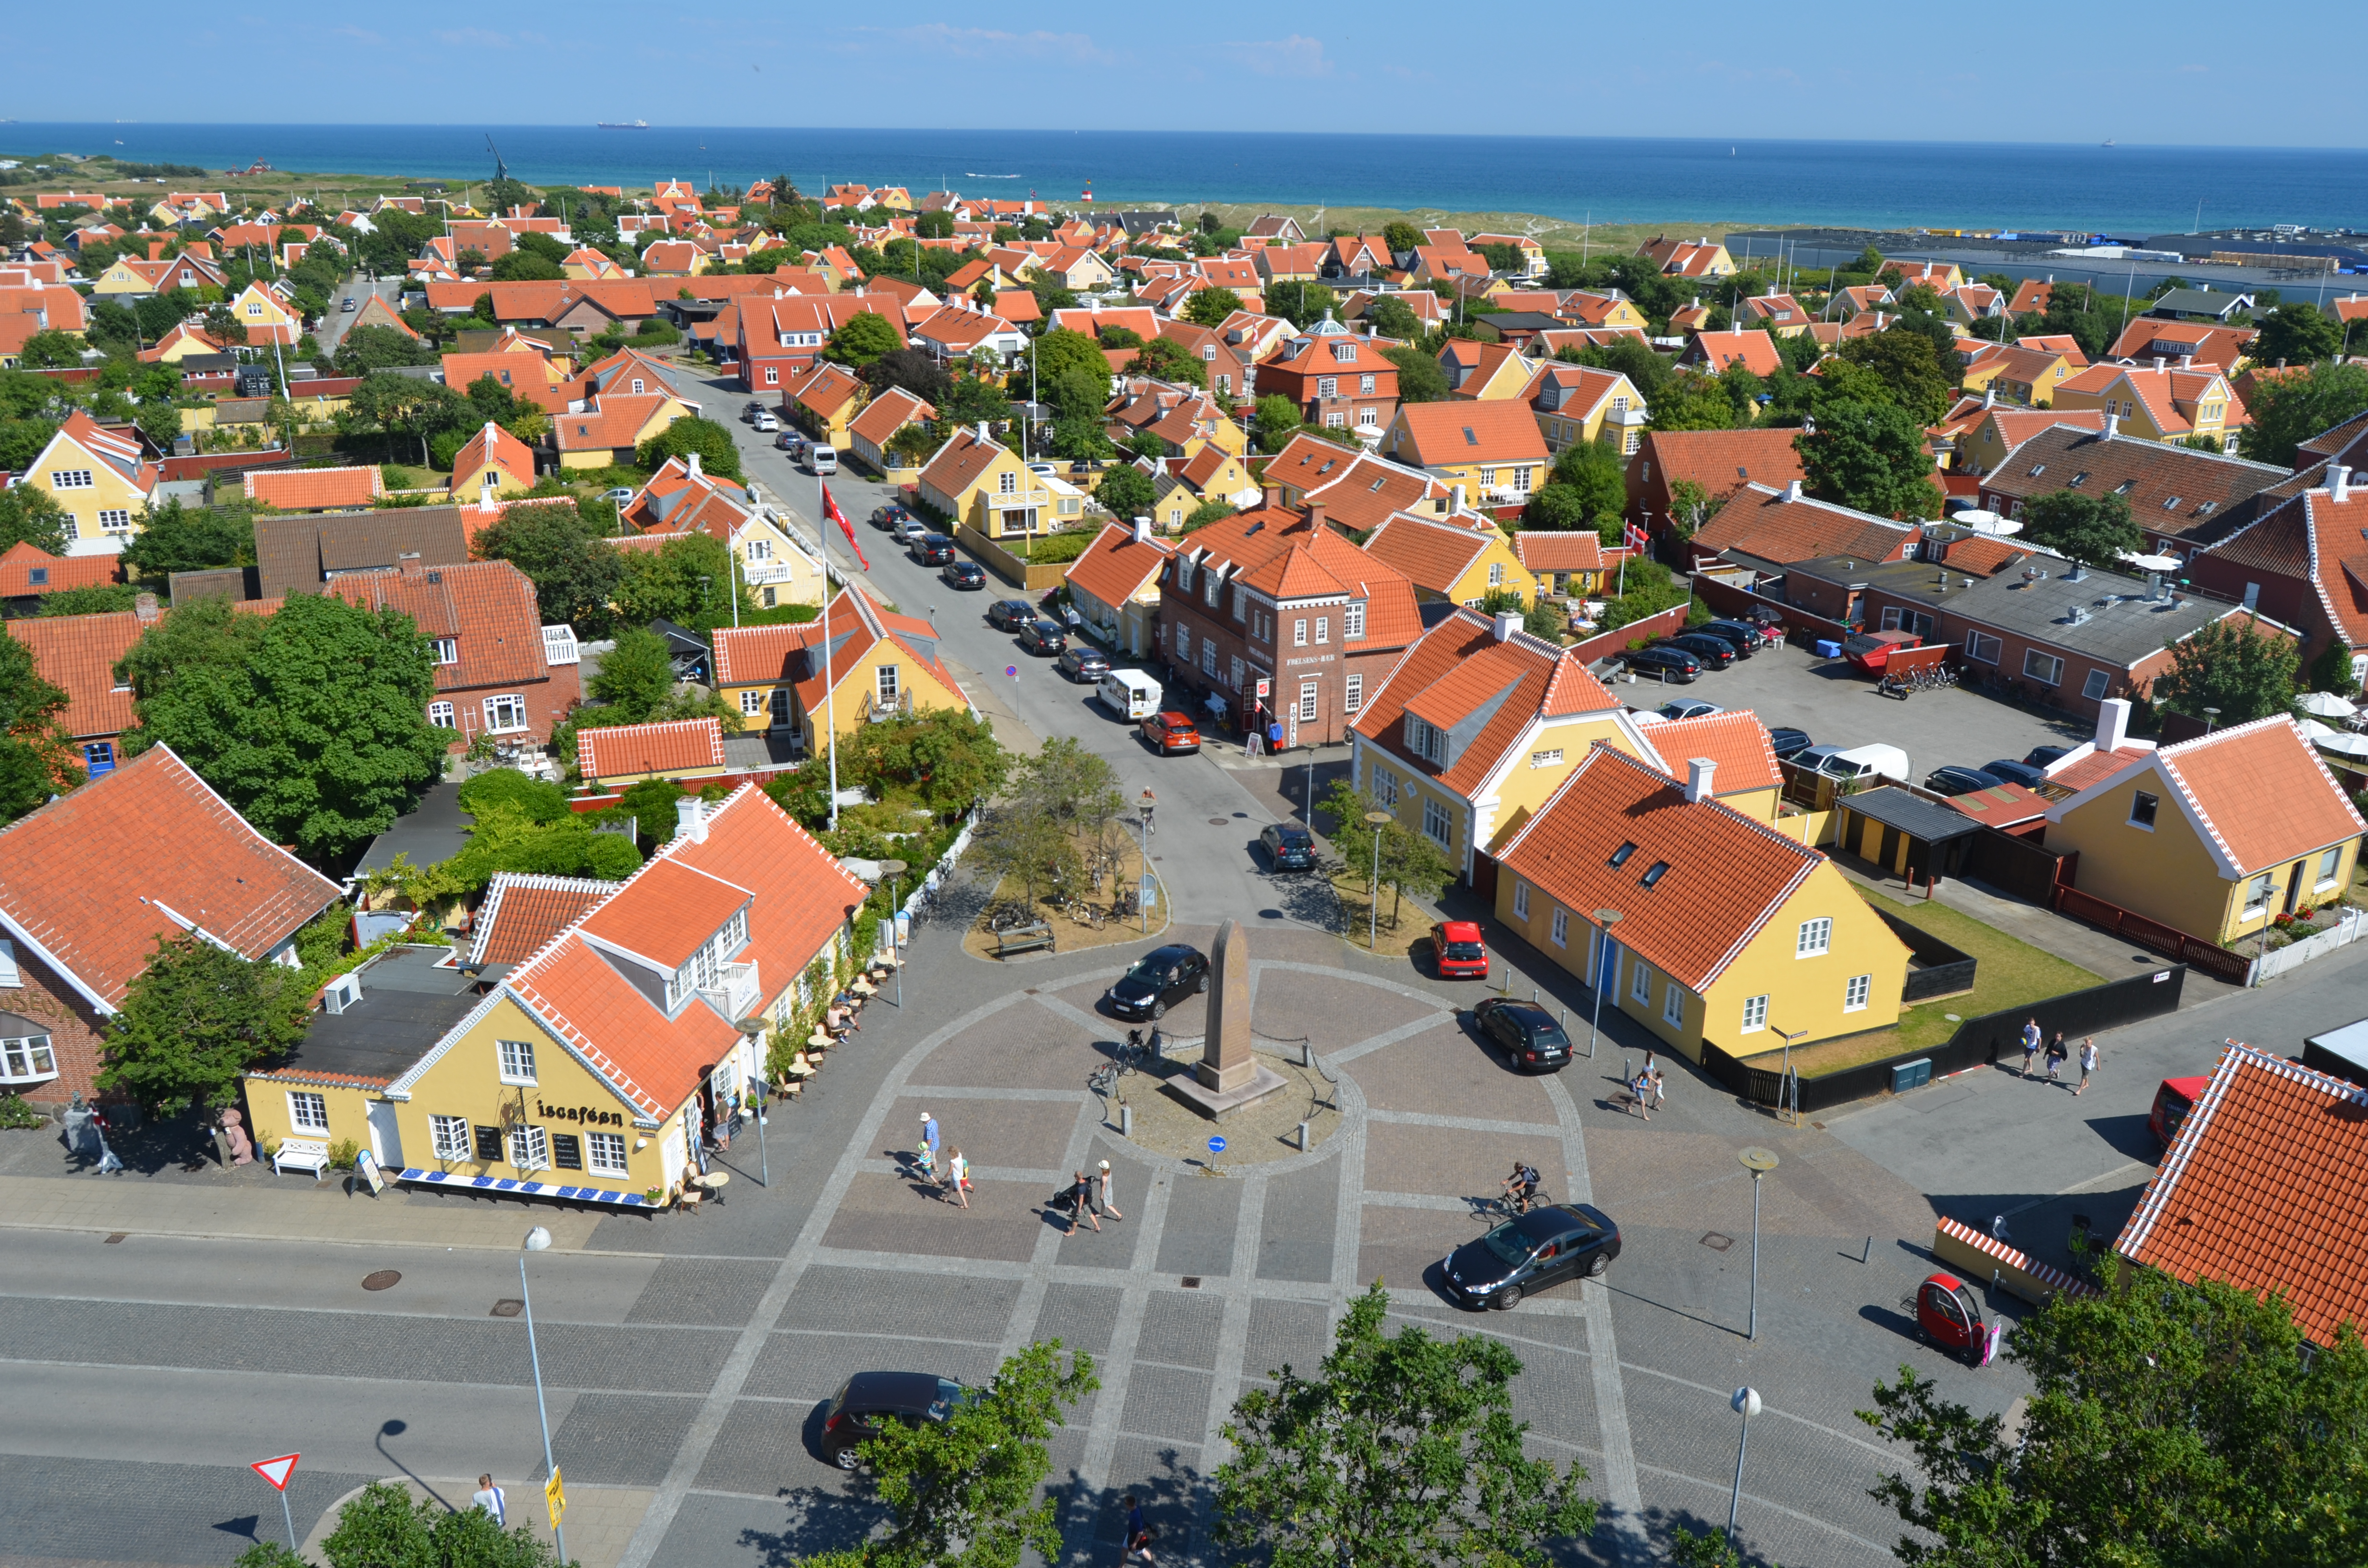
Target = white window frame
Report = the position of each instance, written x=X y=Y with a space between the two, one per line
x=1437 y=826
x=1299 y=632
x=2095 y=685
x=1215 y=584
x=1233 y=672
x=2330 y=862
x=883 y=680
x=604 y=1153
x=1816 y=937
x=752 y=702
x=308 y=1113
x=1323 y=628
x=772 y=376
x=1673 y=1004
x=529 y=1148
x=516 y=1061
x=1352 y=623
x=1183 y=644
x=1006 y=483
x=1982 y=648
x=1640 y=980
x=2154 y=810
x=1308 y=701
x=1208 y=657
x=1352 y=693
x=1755 y=1015
x=71 y=479
x=448 y=649
x=1546 y=758
x=32 y=1058
x=1521 y=899
x=449 y=1137
x=1559 y=933
x=115 y=520
x=1855 y=994
x=1496 y=573
x=1365 y=385
x=2257 y=897
x=509 y=702
x=2048 y=662
x=440 y=715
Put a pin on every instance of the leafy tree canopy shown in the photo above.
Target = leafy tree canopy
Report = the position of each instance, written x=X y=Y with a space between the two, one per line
x=1391 y=317
x=712 y=442
x=1692 y=402
x=636 y=675
x=2296 y=333
x=370 y=347
x=99 y=598
x=37 y=758
x=689 y=582
x=1061 y=351
x=195 y=1019
x=946 y=758
x=575 y=573
x=1210 y=307
x=1600 y=475
x=864 y=337
x=914 y=369
x=1419 y=377
x=1126 y=493
x=2290 y=410
x=1646 y=372
x=30 y=515
x=1870 y=456
x=2244 y=670
x=2096 y=529
x=1911 y=363
x=1401 y=237
x=1169 y=361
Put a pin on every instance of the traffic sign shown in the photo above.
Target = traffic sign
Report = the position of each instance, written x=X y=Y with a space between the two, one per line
x=276 y=1472
x=1011 y=670
x=555 y=1498
x=1216 y=1145
x=1148 y=891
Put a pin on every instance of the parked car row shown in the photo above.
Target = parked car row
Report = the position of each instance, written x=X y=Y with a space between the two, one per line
x=2030 y=773
x=1682 y=656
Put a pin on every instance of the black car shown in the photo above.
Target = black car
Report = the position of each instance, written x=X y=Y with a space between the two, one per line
x=2041 y=756
x=934 y=549
x=1520 y=1257
x=866 y=1402
x=1742 y=633
x=1289 y=847
x=1159 y=978
x=1043 y=638
x=964 y=575
x=2014 y=772
x=888 y=516
x=1009 y=615
x=1716 y=651
x=1082 y=663
x=1526 y=1033
x=1789 y=743
x=1960 y=781
x=1666 y=664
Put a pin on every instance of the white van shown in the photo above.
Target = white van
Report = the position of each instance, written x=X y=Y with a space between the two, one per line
x=1866 y=764
x=822 y=460
x=1129 y=693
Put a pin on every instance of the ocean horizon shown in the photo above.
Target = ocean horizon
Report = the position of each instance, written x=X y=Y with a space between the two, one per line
x=2125 y=191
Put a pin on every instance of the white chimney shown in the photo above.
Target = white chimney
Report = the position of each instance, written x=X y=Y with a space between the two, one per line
x=1507 y=624
x=2339 y=483
x=1989 y=395
x=2112 y=722
x=1142 y=530
x=2158 y=362
x=1793 y=490
x=692 y=465
x=485 y=491
x=2187 y=361
x=982 y=431
x=1698 y=778
x=690 y=819
x=2113 y=425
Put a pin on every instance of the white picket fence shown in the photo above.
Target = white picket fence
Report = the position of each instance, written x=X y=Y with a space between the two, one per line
x=2349 y=927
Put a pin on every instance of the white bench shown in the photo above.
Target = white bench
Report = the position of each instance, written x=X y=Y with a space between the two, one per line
x=304 y=1154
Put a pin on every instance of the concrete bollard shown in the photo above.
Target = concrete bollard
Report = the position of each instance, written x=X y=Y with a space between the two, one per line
x=1125 y=1119
x=1303 y=1137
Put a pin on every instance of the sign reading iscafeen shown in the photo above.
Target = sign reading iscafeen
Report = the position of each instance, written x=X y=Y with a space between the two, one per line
x=579 y=1113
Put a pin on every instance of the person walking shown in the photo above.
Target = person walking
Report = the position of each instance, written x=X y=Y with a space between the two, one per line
x=2088 y=1063
x=2056 y=1052
x=1653 y=1077
x=1138 y=1533
x=930 y=1135
x=1102 y=1192
x=1146 y=805
x=958 y=1178
x=1640 y=1091
x=489 y=1497
x=2029 y=1045
x=1081 y=1204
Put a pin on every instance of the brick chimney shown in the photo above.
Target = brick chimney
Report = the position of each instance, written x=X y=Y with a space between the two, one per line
x=144 y=606
x=409 y=563
x=1273 y=495
x=1316 y=517
x=1699 y=772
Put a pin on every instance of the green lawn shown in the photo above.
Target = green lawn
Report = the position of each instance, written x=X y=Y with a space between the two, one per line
x=2009 y=973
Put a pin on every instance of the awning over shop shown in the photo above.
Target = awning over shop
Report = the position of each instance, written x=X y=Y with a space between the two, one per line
x=453 y=1179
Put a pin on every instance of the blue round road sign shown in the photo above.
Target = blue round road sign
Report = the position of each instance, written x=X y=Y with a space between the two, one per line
x=1011 y=670
x=1216 y=1145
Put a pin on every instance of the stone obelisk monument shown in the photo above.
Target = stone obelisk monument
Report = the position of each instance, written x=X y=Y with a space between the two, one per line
x=1227 y=1076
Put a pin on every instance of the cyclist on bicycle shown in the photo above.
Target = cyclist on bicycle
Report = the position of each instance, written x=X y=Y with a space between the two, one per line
x=1145 y=805
x=1521 y=1187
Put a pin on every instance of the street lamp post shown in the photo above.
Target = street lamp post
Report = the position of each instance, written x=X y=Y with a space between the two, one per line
x=1758 y=1162
x=1744 y=1403
x=1376 y=821
x=2210 y=715
x=1605 y=919
x=537 y=1240
x=894 y=870
x=1790 y=1036
x=753 y=1028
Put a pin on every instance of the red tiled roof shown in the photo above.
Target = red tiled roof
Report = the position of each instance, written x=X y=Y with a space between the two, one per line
x=889 y=413
x=674 y=910
x=1543 y=551
x=1721 y=460
x=495 y=444
x=1114 y=568
x=1432 y=555
x=22 y=559
x=314 y=489
x=2261 y=792
x=1728 y=873
x=1283 y=555
x=612 y=420
x=1761 y=522
x=638 y=750
x=2263 y=1188
x=523 y=911
x=487 y=607
x=1459 y=668
x=1458 y=432
x=1751 y=348
x=1737 y=742
x=93 y=878
x=78 y=654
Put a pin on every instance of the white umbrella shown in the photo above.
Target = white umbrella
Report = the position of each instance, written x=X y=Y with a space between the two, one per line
x=2314 y=730
x=2325 y=704
x=2346 y=746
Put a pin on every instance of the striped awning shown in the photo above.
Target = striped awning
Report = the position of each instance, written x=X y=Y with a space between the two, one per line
x=524 y=1189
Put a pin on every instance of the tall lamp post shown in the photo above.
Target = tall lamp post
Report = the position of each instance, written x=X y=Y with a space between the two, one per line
x=894 y=870
x=1376 y=821
x=1758 y=1162
x=1744 y=1403
x=1605 y=919
x=754 y=1027
x=537 y=1240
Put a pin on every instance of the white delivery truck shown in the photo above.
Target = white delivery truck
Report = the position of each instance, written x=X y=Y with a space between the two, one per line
x=1129 y=693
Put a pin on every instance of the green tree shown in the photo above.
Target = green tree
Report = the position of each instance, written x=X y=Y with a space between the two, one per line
x=1391 y=317
x=712 y=442
x=966 y=1490
x=1077 y=789
x=312 y=722
x=2332 y=671
x=934 y=225
x=1646 y=588
x=1274 y=422
x=1402 y=1452
x=100 y=598
x=1210 y=307
x=1559 y=507
x=969 y=400
x=1599 y=474
x=1419 y=377
x=689 y=582
x=369 y=347
x=574 y=573
x=196 y=1018
x=914 y=369
x=1169 y=360
x=863 y=338
x=2235 y=665
x=2290 y=410
x=383 y=1527
x=1402 y=237
x=403 y=405
x=636 y=675
x=1692 y=402
x=2096 y=529
x=1690 y=506
x=2166 y=1424
x=948 y=759
x=1020 y=840
x=175 y=538
x=1870 y=456
x=1539 y=618
x=1302 y=304
x=49 y=350
x=1208 y=512
x=911 y=445
x=1126 y=491
x=525 y=266
x=1646 y=372
x=1061 y=351
x=37 y=755
x=30 y=515
x=1910 y=365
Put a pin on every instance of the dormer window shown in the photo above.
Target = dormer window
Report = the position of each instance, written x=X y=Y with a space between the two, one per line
x=1426 y=740
x=1619 y=856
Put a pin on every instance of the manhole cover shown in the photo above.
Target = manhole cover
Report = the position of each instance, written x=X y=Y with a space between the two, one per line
x=384 y=1279
x=1269 y=915
x=1191 y=1282
x=1219 y=822
x=509 y=1307
x=1031 y=991
x=115 y=1238
x=1717 y=1242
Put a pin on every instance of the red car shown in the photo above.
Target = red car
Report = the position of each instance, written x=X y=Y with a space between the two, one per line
x=1459 y=951
x=2173 y=1101
x=1170 y=732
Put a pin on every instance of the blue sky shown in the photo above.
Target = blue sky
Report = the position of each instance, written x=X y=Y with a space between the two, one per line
x=2018 y=72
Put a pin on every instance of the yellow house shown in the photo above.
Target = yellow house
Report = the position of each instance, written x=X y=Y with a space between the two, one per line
x=2168 y=405
x=601 y=1061
x=1115 y=586
x=1446 y=560
x=1492 y=450
x=869 y=433
x=102 y=479
x=1216 y=472
x=981 y=484
x=1483 y=371
x=2217 y=836
x=824 y=399
x=266 y=317
x=681 y=496
x=613 y=425
x=1728 y=932
x=870 y=664
x=493 y=456
x=2028 y=376
x=1576 y=403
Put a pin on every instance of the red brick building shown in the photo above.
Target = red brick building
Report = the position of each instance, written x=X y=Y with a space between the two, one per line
x=499 y=671
x=1278 y=598
x=1334 y=378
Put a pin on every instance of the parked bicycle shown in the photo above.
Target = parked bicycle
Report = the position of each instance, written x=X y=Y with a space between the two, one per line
x=1125 y=1059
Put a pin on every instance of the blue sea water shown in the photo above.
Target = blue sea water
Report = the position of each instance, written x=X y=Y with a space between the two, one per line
x=2122 y=190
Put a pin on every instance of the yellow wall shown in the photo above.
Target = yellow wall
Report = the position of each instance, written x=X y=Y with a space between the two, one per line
x=983 y=504
x=1475 y=584
x=270 y=1119
x=852 y=685
x=471 y=484
x=2169 y=874
x=109 y=491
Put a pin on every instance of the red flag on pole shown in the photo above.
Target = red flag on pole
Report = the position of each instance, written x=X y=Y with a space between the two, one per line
x=830 y=509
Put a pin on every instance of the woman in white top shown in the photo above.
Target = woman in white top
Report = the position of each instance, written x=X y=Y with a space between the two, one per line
x=958 y=1178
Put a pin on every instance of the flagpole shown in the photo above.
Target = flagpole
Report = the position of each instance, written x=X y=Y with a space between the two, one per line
x=829 y=691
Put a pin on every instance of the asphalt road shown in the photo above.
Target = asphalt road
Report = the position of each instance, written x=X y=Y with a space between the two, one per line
x=356 y=288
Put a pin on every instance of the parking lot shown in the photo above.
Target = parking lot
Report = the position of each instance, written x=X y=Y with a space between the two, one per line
x=1788 y=686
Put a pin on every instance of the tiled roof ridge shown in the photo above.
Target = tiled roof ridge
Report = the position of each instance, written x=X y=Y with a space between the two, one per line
x=2169 y=757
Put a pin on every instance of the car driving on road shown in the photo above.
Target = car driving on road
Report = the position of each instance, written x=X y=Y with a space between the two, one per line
x=1289 y=847
x=966 y=574
x=1525 y=1255
x=1457 y=951
x=1161 y=978
x=1171 y=733
x=868 y=1402
x=1525 y=1032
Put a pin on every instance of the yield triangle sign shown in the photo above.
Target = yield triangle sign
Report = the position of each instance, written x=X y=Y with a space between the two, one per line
x=276 y=1472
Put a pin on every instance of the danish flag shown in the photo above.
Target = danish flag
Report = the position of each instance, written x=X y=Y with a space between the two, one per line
x=830 y=509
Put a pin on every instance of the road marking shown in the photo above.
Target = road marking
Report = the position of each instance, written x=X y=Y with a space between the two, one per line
x=1611 y=1398
x=1467 y=1123
x=1348 y=1054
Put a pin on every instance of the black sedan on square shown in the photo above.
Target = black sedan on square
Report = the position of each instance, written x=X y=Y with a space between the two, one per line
x=1522 y=1257
x=868 y=1402
x=1160 y=977
x=1527 y=1035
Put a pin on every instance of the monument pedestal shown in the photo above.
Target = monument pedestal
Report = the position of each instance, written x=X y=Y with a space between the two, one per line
x=1218 y=1103
x=1227 y=1077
